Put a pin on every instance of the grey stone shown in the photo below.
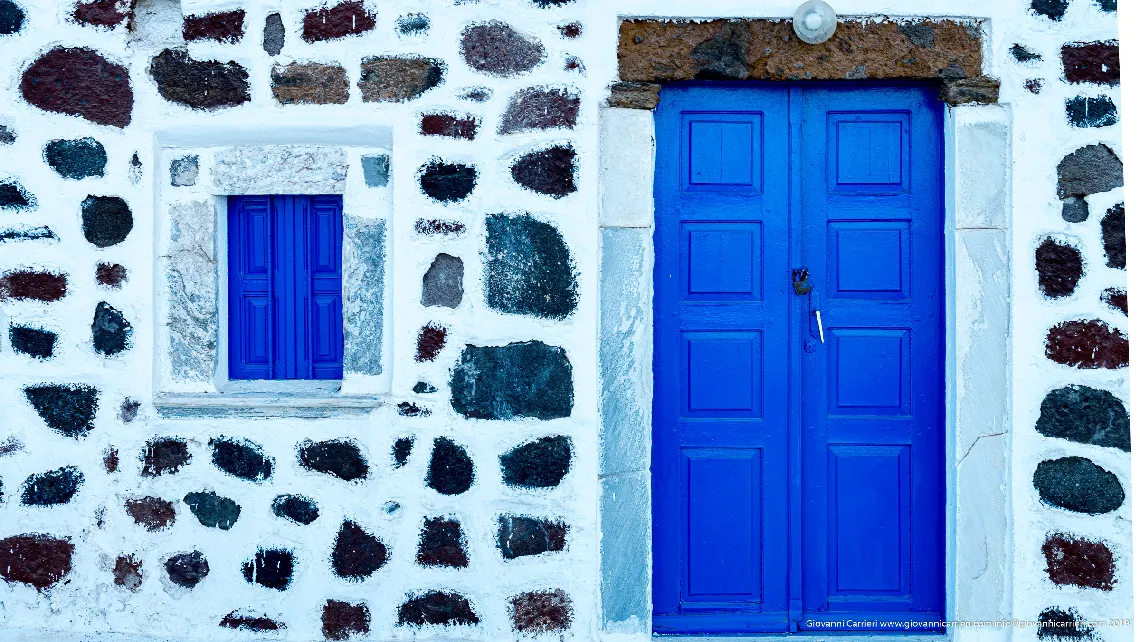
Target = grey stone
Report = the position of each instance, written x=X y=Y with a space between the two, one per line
x=184 y=171
x=280 y=169
x=376 y=169
x=528 y=268
x=962 y=91
x=443 y=282
x=191 y=280
x=273 y=36
x=625 y=557
x=517 y=380
x=213 y=510
x=1078 y=485
x=1086 y=416
x=1089 y=170
x=364 y=252
x=634 y=95
x=497 y=49
x=1075 y=209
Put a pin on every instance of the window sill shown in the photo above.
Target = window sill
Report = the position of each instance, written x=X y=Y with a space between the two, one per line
x=276 y=405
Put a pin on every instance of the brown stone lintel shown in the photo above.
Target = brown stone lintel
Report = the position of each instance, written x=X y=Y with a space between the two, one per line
x=634 y=95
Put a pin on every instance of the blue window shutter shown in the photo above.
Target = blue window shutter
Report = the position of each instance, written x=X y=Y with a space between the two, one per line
x=326 y=330
x=250 y=254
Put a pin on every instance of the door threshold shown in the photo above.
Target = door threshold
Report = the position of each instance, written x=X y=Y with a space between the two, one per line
x=808 y=637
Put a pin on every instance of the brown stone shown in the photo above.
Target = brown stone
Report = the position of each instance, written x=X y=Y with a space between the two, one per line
x=112 y=275
x=37 y=560
x=339 y=620
x=227 y=26
x=1087 y=344
x=102 y=13
x=657 y=51
x=634 y=95
x=199 y=84
x=111 y=459
x=1075 y=561
x=1116 y=298
x=80 y=82
x=345 y=19
x=255 y=623
x=541 y=611
x=128 y=572
x=539 y=108
x=1093 y=62
x=397 y=79
x=430 y=342
x=449 y=125
x=980 y=89
x=29 y=284
x=309 y=84
x=154 y=513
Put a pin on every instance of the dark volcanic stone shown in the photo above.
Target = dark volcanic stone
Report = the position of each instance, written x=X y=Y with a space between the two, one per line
x=430 y=342
x=1089 y=170
x=570 y=30
x=1057 y=625
x=724 y=56
x=187 y=569
x=443 y=282
x=128 y=410
x=111 y=275
x=1093 y=62
x=521 y=536
x=449 y=125
x=542 y=611
x=1087 y=344
x=1107 y=6
x=413 y=24
x=549 y=171
x=442 y=544
x=528 y=269
x=409 y=409
x=1075 y=561
x=434 y=226
x=337 y=457
x=33 y=342
x=357 y=553
x=1052 y=9
x=66 y=409
x=1075 y=209
x=271 y=568
x=539 y=108
x=241 y=458
x=255 y=623
x=1059 y=268
x=76 y=158
x=11 y=17
x=110 y=332
x=437 y=607
x=1085 y=415
x=153 y=513
x=309 y=84
x=34 y=559
x=1115 y=298
x=340 y=620
x=1088 y=111
x=297 y=508
x=1112 y=235
x=128 y=572
x=450 y=471
x=227 y=26
x=51 y=488
x=107 y=220
x=424 y=388
x=13 y=196
x=199 y=84
x=102 y=13
x=529 y=379
x=80 y=82
x=7 y=134
x=345 y=19
x=213 y=510
x=1079 y=485
x=398 y=78
x=538 y=464
x=111 y=459
x=1022 y=54
x=497 y=49
x=546 y=4
x=402 y=449
x=273 y=35
x=447 y=182
x=41 y=233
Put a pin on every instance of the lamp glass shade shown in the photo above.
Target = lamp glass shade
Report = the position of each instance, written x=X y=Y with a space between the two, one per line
x=814 y=22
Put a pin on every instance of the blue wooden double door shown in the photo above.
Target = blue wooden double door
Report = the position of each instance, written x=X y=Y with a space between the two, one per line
x=798 y=440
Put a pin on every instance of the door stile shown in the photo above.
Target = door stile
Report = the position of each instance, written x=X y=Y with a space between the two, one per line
x=795 y=366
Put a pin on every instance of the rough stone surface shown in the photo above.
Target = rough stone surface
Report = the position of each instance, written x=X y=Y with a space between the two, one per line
x=128 y=410
x=80 y=82
x=199 y=84
x=521 y=536
x=1087 y=344
x=657 y=51
x=309 y=84
x=413 y=24
x=363 y=264
x=450 y=470
x=443 y=282
x=449 y=125
x=439 y=227
x=225 y=26
x=1021 y=53
x=1092 y=62
x=1059 y=268
x=135 y=169
x=497 y=49
x=447 y=182
x=1086 y=416
x=1075 y=209
x=437 y=607
x=1058 y=625
x=398 y=78
x=67 y=409
x=430 y=342
x=297 y=508
x=528 y=379
x=634 y=95
x=191 y=282
x=357 y=553
x=76 y=159
x=337 y=457
x=528 y=268
x=377 y=169
x=570 y=30
x=1089 y=170
x=273 y=34
x=541 y=108
x=11 y=18
x=1107 y=6
x=551 y=171
x=52 y=487
x=252 y=623
x=402 y=449
x=152 y=513
x=1116 y=299
x=542 y=463
x=184 y=171
x=187 y=569
x=241 y=458
x=1112 y=235
x=345 y=19
x=110 y=331
x=271 y=568
x=1091 y=111
x=541 y=611
x=341 y=620
x=25 y=233
x=213 y=510
x=32 y=285
x=1052 y=9
x=964 y=91
x=111 y=275
x=1074 y=561
x=107 y=220
x=1079 y=485
x=34 y=559
x=34 y=342
x=7 y=134
x=424 y=388
x=409 y=409
x=102 y=13
x=111 y=460
x=442 y=544
x=13 y=196
x=128 y=572
x=475 y=94
x=311 y=169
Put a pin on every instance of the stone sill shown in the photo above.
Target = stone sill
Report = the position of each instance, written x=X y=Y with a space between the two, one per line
x=270 y=405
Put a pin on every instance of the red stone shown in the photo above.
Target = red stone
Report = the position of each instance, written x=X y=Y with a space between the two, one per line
x=1079 y=562
x=227 y=26
x=541 y=611
x=28 y=284
x=128 y=572
x=1093 y=62
x=111 y=459
x=449 y=125
x=102 y=13
x=570 y=30
x=345 y=19
x=111 y=275
x=80 y=82
x=37 y=560
x=339 y=620
x=1087 y=344
x=154 y=513
x=255 y=623
x=430 y=342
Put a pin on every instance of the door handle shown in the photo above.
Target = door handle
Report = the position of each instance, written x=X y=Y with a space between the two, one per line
x=802 y=287
x=819 y=324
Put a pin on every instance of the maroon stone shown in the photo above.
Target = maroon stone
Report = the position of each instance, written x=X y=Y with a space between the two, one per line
x=111 y=459
x=441 y=544
x=1079 y=562
x=1033 y=85
x=38 y=286
x=339 y=620
x=570 y=30
x=199 y=84
x=102 y=13
x=128 y=572
x=345 y=19
x=409 y=409
x=449 y=125
x=227 y=26
x=80 y=82
x=435 y=226
x=1059 y=268
x=164 y=455
x=255 y=623
x=537 y=108
x=38 y=560
x=542 y=611
x=154 y=513
x=430 y=342
x=1094 y=62
x=1087 y=344
x=1115 y=298
x=111 y=275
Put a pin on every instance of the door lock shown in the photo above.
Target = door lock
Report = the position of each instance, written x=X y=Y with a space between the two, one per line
x=803 y=287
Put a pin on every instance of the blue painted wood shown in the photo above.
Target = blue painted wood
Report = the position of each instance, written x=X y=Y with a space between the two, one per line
x=793 y=481
x=285 y=287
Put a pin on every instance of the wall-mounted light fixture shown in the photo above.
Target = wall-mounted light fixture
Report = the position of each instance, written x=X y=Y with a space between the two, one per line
x=814 y=21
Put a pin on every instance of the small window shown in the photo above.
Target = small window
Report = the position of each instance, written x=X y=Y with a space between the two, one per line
x=285 y=287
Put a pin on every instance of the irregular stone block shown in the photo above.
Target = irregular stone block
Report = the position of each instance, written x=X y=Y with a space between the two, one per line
x=1092 y=62
x=1116 y=299
x=184 y=171
x=1059 y=268
x=357 y=553
x=111 y=275
x=541 y=108
x=33 y=342
x=1113 y=237
x=213 y=510
x=309 y=84
x=297 y=508
x=51 y=488
x=1057 y=625
x=529 y=379
x=1087 y=344
x=573 y=63
x=273 y=34
x=280 y=169
x=1091 y=111
x=199 y=84
x=111 y=459
x=345 y=19
x=402 y=449
x=1074 y=561
x=546 y=4
x=435 y=226
x=396 y=79
x=964 y=91
x=271 y=568
x=1022 y=54
x=1075 y=209
x=447 y=182
x=449 y=125
x=341 y=620
x=80 y=82
x=110 y=331
x=1079 y=485
x=450 y=471
x=13 y=196
x=363 y=266
x=409 y=409
x=1089 y=170
x=552 y=171
x=128 y=410
x=337 y=457
x=107 y=220
x=443 y=282
x=66 y=409
x=76 y=159
x=1052 y=9
x=192 y=288
x=570 y=30
x=528 y=269
x=495 y=48
x=1107 y=6
x=542 y=463
x=437 y=607
x=520 y=536
x=36 y=560
x=634 y=95
x=128 y=573
x=241 y=458
x=442 y=544
x=1086 y=416
x=475 y=94
x=102 y=13
x=187 y=569
x=413 y=24
x=11 y=18
x=254 y=623
x=134 y=170
x=225 y=26
x=24 y=233
x=424 y=388
x=541 y=611
x=152 y=513
x=377 y=170
x=31 y=285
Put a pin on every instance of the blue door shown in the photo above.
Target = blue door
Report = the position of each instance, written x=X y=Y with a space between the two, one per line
x=798 y=453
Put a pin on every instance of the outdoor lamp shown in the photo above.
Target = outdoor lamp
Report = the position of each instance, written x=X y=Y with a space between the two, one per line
x=814 y=21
